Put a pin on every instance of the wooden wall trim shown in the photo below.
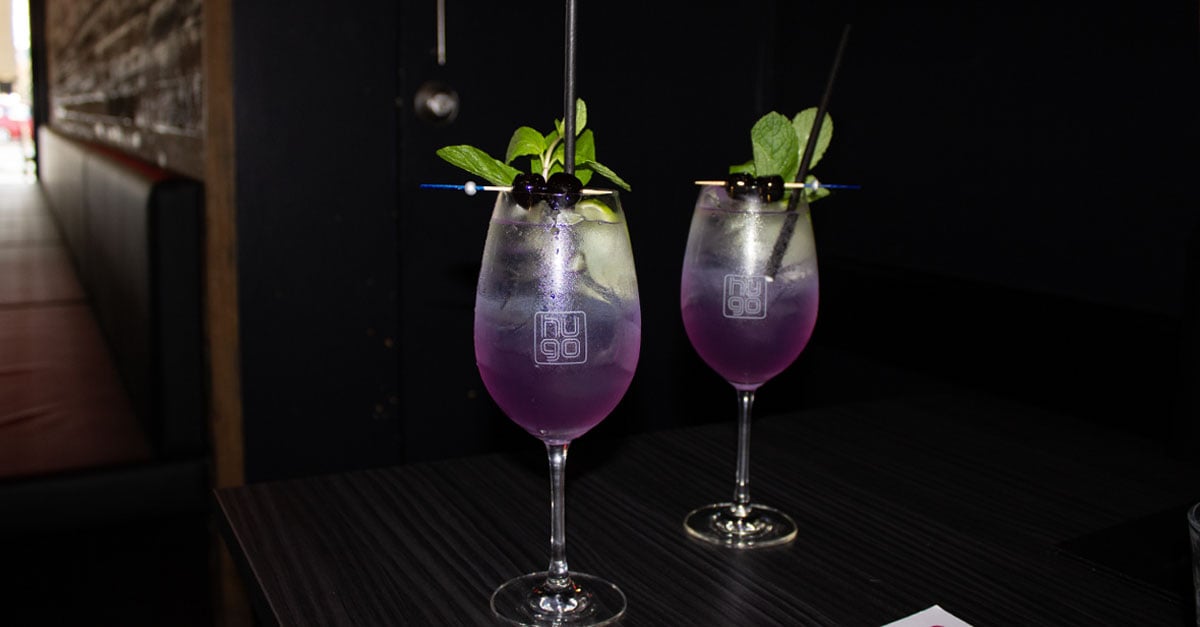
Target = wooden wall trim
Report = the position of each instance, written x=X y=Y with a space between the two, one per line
x=221 y=308
x=221 y=296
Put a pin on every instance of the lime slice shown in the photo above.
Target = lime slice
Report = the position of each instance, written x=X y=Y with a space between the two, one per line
x=595 y=211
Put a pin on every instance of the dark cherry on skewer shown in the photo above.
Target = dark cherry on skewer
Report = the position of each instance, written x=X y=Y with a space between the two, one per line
x=740 y=184
x=770 y=188
x=565 y=190
x=524 y=186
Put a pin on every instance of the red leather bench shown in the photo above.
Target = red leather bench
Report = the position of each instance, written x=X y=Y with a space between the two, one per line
x=102 y=413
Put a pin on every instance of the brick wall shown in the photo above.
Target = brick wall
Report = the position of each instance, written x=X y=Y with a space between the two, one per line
x=129 y=74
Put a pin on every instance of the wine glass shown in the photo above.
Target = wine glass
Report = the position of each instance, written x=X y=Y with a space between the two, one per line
x=557 y=337
x=749 y=302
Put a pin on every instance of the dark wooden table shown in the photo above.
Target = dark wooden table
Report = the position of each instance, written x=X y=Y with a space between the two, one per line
x=1001 y=514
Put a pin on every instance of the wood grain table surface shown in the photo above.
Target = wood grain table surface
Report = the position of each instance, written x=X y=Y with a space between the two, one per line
x=976 y=504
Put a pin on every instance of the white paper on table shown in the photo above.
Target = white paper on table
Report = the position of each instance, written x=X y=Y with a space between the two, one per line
x=933 y=616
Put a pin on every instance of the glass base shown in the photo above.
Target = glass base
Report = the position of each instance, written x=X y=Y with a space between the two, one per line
x=586 y=600
x=740 y=526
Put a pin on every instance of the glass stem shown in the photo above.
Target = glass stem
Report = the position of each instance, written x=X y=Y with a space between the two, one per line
x=741 y=491
x=556 y=575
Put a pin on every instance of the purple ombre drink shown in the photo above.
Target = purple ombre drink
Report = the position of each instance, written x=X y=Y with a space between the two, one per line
x=748 y=352
x=748 y=317
x=557 y=317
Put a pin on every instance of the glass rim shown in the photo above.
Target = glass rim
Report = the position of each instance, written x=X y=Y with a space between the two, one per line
x=555 y=208
x=745 y=205
x=584 y=194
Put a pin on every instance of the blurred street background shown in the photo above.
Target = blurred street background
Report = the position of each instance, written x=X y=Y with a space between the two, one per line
x=16 y=93
x=16 y=161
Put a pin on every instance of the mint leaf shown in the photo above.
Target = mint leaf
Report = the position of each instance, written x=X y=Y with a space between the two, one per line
x=479 y=163
x=525 y=141
x=779 y=144
x=744 y=168
x=775 y=147
x=585 y=147
x=803 y=123
x=580 y=119
x=585 y=150
x=580 y=116
x=585 y=161
x=606 y=173
x=559 y=156
x=545 y=154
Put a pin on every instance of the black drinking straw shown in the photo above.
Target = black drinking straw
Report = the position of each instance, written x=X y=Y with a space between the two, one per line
x=569 y=92
x=789 y=225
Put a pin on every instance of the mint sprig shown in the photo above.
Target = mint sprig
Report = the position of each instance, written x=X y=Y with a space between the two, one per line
x=545 y=154
x=778 y=144
x=776 y=147
x=479 y=163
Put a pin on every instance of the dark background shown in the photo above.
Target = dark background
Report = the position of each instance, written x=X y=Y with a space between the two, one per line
x=1028 y=198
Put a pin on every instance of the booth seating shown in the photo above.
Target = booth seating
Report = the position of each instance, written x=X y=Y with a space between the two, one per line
x=102 y=412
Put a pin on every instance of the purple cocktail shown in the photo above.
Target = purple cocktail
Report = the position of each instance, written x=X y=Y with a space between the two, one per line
x=563 y=372
x=557 y=337
x=748 y=296
x=747 y=351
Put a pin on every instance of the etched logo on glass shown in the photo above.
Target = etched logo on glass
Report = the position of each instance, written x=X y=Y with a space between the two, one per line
x=559 y=337
x=745 y=296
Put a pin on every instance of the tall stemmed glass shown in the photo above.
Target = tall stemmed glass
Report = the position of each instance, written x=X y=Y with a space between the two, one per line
x=749 y=302
x=557 y=337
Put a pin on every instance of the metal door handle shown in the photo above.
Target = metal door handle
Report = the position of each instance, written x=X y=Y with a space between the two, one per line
x=436 y=102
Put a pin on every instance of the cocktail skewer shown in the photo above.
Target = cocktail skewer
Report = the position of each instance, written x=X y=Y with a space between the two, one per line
x=814 y=185
x=471 y=188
